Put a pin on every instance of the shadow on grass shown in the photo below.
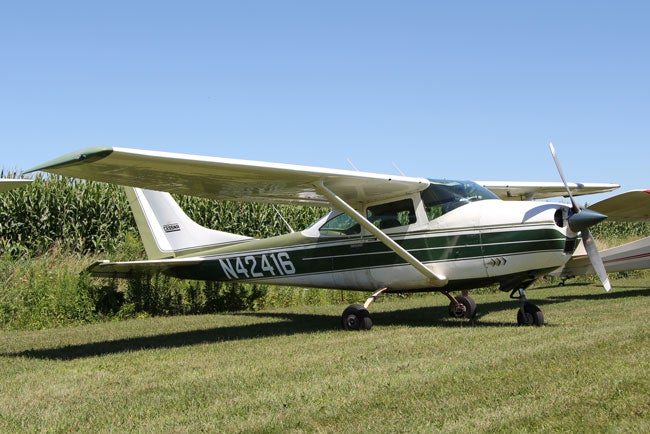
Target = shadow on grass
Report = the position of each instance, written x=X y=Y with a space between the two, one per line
x=294 y=324
x=620 y=291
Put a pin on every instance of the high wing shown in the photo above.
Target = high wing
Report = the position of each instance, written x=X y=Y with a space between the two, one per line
x=507 y=190
x=10 y=184
x=228 y=179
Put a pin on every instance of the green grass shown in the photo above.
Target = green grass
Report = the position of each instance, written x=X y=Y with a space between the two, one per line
x=292 y=370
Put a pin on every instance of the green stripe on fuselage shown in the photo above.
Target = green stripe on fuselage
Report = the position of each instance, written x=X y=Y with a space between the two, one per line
x=268 y=259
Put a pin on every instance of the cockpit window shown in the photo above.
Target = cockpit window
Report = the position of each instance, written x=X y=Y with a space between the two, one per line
x=443 y=196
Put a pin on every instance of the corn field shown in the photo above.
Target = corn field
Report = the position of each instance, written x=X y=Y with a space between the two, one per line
x=54 y=228
x=87 y=217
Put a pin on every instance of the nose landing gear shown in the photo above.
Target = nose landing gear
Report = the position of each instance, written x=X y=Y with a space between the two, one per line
x=528 y=313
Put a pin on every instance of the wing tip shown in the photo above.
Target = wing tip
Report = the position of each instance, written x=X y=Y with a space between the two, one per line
x=87 y=155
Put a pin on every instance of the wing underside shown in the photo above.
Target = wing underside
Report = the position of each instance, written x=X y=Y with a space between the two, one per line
x=228 y=179
x=518 y=190
x=632 y=206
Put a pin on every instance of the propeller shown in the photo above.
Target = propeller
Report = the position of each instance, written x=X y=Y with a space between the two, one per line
x=580 y=221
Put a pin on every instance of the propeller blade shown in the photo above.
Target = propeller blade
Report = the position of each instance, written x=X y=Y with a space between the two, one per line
x=576 y=208
x=580 y=221
x=594 y=258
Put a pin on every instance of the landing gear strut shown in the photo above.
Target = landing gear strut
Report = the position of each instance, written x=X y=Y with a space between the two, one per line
x=357 y=317
x=461 y=306
x=528 y=314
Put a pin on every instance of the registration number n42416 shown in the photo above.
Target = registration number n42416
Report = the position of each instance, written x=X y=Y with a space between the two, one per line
x=256 y=266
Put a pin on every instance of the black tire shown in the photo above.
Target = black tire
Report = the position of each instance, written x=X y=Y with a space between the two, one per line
x=366 y=323
x=356 y=317
x=532 y=315
x=467 y=308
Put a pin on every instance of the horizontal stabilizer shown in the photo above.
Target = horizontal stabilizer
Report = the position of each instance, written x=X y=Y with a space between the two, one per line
x=134 y=269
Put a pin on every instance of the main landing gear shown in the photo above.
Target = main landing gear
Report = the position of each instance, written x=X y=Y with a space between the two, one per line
x=357 y=317
x=461 y=306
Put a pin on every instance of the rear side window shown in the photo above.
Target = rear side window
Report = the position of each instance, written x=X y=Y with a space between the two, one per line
x=392 y=214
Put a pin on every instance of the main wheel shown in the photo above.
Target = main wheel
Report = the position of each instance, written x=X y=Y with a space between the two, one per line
x=466 y=308
x=531 y=315
x=356 y=317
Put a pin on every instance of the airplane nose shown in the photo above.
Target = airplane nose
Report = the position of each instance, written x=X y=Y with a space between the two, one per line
x=584 y=219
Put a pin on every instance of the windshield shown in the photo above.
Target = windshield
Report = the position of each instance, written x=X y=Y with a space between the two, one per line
x=443 y=196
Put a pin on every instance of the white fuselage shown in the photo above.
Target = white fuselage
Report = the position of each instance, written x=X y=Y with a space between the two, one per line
x=480 y=243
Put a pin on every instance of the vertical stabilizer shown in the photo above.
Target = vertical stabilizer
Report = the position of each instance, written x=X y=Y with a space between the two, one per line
x=166 y=230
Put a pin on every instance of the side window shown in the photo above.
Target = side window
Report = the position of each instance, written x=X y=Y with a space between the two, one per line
x=392 y=214
x=341 y=224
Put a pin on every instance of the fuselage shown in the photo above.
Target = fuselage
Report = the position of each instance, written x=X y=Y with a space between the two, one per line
x=473 y=239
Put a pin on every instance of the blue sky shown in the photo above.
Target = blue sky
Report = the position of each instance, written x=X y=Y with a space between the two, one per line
x=441 y=89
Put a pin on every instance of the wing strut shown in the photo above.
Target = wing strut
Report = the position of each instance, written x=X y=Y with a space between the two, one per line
x=435 y=279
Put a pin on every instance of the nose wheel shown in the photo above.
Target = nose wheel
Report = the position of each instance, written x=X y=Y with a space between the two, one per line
x=528 y=313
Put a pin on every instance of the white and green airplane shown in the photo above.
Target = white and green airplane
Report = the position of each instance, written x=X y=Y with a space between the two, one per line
x=10 y=184
x=384 y=233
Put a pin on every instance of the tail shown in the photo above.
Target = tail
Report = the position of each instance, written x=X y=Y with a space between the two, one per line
x=166 y=231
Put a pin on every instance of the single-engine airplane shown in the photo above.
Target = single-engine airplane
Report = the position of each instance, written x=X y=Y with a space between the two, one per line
x=384 y=233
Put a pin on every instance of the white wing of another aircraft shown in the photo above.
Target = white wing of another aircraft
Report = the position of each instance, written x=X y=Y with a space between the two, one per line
x=631 y=206
x=626 y=257
x=10 y=184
